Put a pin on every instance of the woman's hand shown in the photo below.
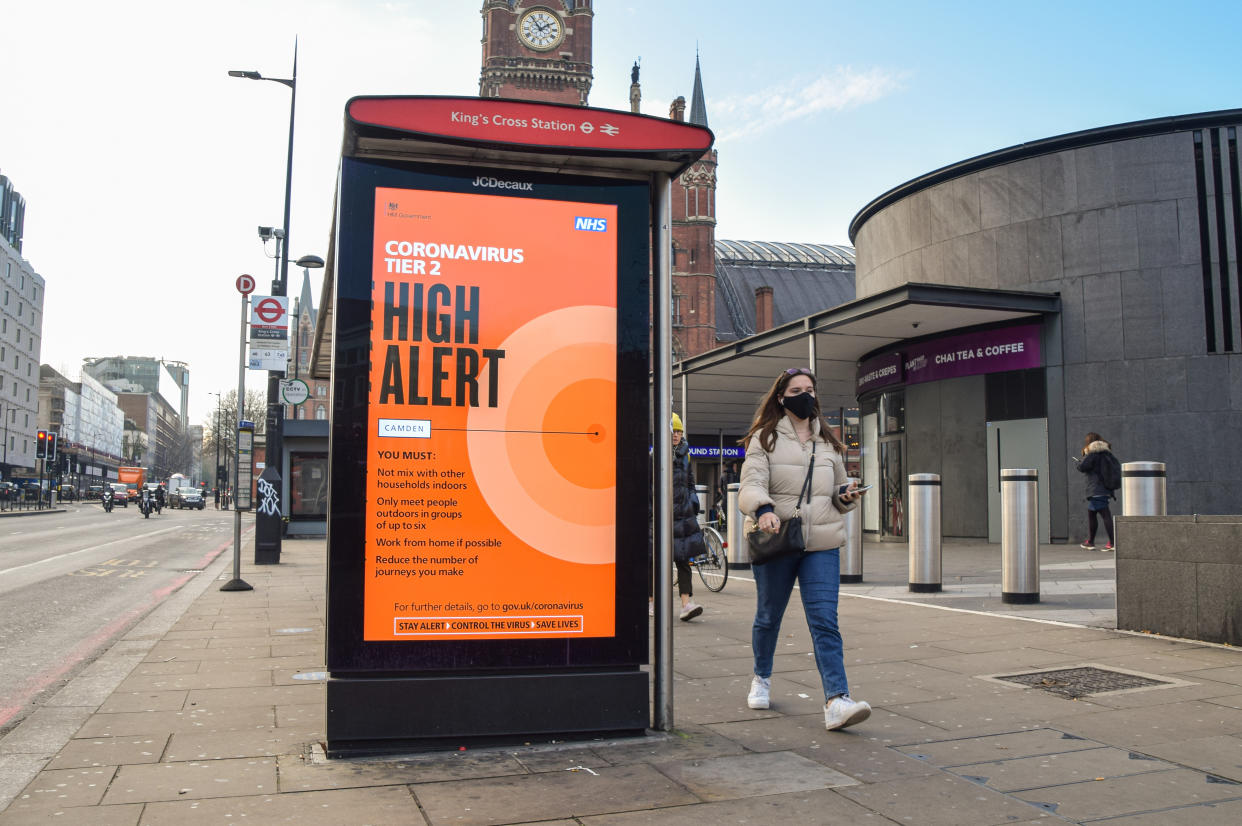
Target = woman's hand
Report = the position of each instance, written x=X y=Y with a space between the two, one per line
x=853 y=494
x=769 y=523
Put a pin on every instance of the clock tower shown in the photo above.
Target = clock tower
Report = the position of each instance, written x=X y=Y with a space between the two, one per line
x=537 y=50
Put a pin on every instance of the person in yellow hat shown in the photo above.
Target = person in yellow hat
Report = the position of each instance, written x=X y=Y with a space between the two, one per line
x=687 y=535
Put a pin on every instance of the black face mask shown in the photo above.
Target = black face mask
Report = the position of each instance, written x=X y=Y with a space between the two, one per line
x=802 y=405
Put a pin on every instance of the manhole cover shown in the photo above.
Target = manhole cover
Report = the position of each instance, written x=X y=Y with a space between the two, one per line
x=1080 y=682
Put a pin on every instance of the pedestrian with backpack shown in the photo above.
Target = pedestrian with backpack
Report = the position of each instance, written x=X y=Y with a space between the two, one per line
x=1103 y=478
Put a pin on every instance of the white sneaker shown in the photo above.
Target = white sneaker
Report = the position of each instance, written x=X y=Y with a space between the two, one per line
x=841 y=711
x=690 y=610
x=760 y=692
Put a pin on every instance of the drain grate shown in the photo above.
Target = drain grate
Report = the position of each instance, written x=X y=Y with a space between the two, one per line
x=1080 y=682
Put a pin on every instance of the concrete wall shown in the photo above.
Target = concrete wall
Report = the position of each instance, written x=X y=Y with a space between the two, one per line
x=1114 y=229
x=1180 y=576
x=946 y=434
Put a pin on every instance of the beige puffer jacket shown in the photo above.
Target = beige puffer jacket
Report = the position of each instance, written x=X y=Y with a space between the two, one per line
x=776 y=478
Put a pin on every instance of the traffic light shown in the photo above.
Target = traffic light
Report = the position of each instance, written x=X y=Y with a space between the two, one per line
x=41 y=444
x=51 y=446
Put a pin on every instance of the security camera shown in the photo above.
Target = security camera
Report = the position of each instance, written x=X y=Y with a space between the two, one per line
x=278 y=233
x=265 y=233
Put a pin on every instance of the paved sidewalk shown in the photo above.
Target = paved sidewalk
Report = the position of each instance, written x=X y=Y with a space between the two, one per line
x=218 y=719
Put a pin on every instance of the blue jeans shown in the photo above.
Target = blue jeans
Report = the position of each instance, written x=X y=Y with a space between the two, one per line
x=818 y=574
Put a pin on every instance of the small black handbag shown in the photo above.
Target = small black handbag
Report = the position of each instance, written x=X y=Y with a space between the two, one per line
x=764 y=546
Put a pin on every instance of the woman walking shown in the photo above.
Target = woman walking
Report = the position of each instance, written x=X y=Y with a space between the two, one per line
x=787 y=440
x=1096 y=453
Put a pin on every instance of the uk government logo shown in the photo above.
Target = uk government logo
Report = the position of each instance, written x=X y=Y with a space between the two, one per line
x=591 y=224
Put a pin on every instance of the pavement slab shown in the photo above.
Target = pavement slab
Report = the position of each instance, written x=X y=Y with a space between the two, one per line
x=1220 y=755
x=816 y=806
x=1011 y=744
x=866 y=760
x=1140 y=728
x=1137 y=794
x=126 y=815
x=264 y=741
x=1028 y=773
x=550 y=795
x=65 y=788
x=940 y=800
x=198 y=679
x=110 y=751
x=121 y=724
x=195 y=779
x=299 y=773
x=751 y=775
x=1228 y=813
x=383 y=807
x=144 y=701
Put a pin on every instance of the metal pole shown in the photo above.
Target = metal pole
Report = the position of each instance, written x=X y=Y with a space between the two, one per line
x=274 y=455
x=237 y=583
x=661 y=323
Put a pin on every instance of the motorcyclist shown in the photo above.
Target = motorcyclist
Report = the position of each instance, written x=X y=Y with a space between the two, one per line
x=159 y=499
x=144 y=504
x=107 y=499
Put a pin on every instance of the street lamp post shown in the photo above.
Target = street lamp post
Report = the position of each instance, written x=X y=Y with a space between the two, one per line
x=275 y=410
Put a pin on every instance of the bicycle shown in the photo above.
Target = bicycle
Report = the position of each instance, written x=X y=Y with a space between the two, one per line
x=713 y=566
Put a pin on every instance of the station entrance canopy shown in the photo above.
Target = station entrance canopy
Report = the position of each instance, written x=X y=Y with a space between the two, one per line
x=718 y=391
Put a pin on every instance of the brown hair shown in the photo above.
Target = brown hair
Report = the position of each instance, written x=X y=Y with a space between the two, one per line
x=771 y=411
x=1092 y=437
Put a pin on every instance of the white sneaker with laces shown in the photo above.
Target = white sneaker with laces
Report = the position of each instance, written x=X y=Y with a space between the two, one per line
x=841 y=711
x=690 y=610
x=760 y=692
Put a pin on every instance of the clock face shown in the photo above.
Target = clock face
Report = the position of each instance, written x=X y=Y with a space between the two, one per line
x=541 y=29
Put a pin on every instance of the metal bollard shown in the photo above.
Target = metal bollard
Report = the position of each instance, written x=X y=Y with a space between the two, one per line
x=737 y=555
x=852 y=550
x=1143 y=489
x=700 y=491
x=1020 y=535
x=924 y=511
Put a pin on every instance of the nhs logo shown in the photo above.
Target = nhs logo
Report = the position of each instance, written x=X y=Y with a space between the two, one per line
x=591 y=224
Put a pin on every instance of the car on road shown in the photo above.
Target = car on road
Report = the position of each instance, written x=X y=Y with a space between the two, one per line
x=186 y=497
x=95 y=493
x=120 y=496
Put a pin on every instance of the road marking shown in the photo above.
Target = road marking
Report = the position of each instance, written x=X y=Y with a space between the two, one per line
x=92 y=548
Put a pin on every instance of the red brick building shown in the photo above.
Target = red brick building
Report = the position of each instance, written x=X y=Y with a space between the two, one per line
x=537 y=50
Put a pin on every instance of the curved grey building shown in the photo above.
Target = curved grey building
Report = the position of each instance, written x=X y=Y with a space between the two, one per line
x=1136 y=228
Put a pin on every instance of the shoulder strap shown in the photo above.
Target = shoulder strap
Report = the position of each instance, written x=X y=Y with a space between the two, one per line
x=805 y=493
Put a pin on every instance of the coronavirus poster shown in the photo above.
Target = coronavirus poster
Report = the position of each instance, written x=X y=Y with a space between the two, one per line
x=491 y=445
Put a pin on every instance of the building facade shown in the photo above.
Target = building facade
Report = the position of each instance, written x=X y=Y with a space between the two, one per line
x=88 y=423
x=537 y=50
x=21 y=335
x=154 y=395
x=1136 y=228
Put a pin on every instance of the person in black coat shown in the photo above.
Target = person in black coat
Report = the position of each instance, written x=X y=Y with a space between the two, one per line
x=685 y=524
x=1093 y=456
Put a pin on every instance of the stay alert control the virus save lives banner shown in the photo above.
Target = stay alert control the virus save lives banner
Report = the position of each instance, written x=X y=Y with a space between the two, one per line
x=491 y=466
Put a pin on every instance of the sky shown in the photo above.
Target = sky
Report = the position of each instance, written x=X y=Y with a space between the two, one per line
x=146 y=169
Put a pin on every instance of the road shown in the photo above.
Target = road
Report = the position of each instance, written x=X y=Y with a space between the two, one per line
x=72 y=583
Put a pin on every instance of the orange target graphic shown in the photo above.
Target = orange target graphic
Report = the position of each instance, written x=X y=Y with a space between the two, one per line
x=545 y=457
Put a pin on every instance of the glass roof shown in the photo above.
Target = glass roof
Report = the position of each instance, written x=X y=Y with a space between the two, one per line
x=776 y=252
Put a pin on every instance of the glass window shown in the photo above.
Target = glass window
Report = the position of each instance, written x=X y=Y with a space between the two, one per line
x=320 y=412
x=321 y=390
x=893 y=412
x=308 y=484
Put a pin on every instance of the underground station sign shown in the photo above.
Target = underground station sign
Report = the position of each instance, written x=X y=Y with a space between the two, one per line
x=488 y=526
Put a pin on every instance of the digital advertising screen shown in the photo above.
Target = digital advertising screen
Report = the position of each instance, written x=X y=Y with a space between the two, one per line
x=502 y=495
x=492 y=455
